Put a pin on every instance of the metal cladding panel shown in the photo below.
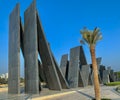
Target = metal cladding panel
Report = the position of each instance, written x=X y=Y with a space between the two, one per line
x=31 y=50
x=14 y=52
x=73 y=70
x=51 y=75
x=63 y=64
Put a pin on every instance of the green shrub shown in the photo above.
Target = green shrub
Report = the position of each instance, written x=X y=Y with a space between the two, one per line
x=112 y=83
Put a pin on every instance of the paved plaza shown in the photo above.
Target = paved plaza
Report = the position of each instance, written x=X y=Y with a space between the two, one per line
x=86 y=93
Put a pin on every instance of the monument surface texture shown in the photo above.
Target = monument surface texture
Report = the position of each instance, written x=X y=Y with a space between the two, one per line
x=14 y=51
x=31 y=50
x=106 y=76
x=73 y=72
x=62 y=79
x=47 y=60
x=64 y=63
x=84 y=75
x=83 y=60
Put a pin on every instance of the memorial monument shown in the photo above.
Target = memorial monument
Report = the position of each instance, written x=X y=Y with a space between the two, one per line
x=30 y=38
x=32 y=41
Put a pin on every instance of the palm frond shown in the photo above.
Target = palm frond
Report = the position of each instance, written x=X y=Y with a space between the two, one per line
x=82 y=41
x=95 y=32
x=98 y=37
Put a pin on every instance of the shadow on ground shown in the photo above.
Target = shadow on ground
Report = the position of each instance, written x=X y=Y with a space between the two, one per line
x=85 y=94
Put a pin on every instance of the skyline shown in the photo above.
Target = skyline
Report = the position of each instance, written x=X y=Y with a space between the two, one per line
x=62 y=22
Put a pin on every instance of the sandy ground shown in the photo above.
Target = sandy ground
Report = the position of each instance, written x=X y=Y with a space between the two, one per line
x=3 y=88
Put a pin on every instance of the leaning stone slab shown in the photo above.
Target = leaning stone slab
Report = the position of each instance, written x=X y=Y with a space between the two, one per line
x=22 y=48
x=62 y=79
x=64 y=63
x=14 y=52
x=77 y=59
x=91 y=77
x=102 y=68
x=83 y=60
x=112 y=78
x=51 y=75
x=109 y=69
x=73 y=70
x=84 y=75
x=106 y=76
x=31 y=50
x=98 y=60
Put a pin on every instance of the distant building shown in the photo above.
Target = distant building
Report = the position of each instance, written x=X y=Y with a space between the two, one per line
x=2 y=76
x=5 y=76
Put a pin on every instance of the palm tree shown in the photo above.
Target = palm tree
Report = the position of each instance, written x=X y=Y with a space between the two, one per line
x=91 y=38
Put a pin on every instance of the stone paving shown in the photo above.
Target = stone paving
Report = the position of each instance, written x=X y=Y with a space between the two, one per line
x=86 y=93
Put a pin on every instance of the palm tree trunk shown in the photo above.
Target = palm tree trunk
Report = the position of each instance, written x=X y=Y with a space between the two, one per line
x=95 y=73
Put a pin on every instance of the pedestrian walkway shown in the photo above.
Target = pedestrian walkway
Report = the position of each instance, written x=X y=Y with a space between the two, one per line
x=83 y=94
x=86 y=93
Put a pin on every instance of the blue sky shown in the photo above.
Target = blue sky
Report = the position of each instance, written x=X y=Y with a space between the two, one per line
x=62 y=21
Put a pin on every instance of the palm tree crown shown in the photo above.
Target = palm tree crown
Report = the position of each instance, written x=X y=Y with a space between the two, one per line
x=90 y=37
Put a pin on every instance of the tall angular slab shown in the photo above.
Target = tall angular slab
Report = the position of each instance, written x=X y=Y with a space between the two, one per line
x=22 y=48
x=102 y=68
x=116 y=76
x=109 y=69
x=51 y=75
x=14 y=51
x=83 y=60
x=98 y=60
x=73 y=71
x=41 y=72
x=64 y=64
x=106 y=76
x=31 y=50
x=91 y=78
x=62 y=79
x=84 y=75
x=112 y=76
